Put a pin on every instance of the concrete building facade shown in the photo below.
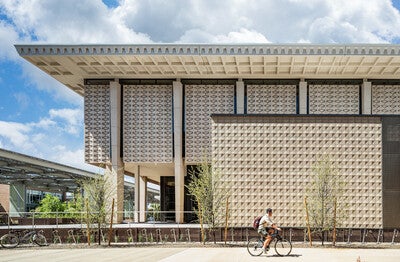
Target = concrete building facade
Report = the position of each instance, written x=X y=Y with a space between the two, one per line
x=262 y=114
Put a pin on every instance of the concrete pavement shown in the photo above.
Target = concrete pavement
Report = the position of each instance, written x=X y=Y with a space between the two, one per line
x=174 y=254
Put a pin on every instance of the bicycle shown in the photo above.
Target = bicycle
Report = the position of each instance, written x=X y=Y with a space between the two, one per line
x=282 y=246
x=13 y=239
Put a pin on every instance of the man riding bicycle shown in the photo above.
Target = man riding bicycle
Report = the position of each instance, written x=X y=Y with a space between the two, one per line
x=266 y=228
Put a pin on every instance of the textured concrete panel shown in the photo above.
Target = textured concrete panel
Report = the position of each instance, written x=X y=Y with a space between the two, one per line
x=385 y=99
x=268 y=161
x=271 y=99
x=97 y=123
x=334 y=99
x=200 y=102
x=147 y=124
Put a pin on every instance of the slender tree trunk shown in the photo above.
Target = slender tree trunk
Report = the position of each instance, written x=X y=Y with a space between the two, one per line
x=201 y=223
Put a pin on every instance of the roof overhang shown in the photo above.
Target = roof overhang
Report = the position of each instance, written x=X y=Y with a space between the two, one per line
x=39 y=174
x=72 y=64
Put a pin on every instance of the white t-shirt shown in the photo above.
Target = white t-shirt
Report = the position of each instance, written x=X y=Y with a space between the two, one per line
x=265 y=221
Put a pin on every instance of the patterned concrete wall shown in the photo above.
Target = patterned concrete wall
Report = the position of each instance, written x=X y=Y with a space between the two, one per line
x=268 y=162
x=334 y=99
x=200 y=102
x=271 y=99
x=147 y=123
x=386 y=99
x=97 y=123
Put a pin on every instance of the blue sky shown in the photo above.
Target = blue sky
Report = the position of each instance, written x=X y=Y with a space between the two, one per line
x=42 y=118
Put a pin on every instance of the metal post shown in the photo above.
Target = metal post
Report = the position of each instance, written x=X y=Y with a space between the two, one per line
x=364 y=234
x=226 y=219
x=380 y=236
x=290 y=234
x=88 y=223
x=395 y=233
x=334 y=224
x=33 y=220
x=308 y=222
x=111 y=223
x=349 y=235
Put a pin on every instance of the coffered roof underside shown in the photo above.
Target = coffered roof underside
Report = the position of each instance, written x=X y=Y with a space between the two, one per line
x=71 y=64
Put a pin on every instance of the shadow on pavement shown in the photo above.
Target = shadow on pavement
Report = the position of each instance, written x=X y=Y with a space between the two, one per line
x=291 y=255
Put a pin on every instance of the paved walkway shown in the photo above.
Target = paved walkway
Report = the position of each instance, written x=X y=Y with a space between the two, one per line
x=175 y=254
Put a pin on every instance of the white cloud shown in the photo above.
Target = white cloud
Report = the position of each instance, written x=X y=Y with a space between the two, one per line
x=41 y=81
x=73 y=119
x=22 y=99
x=72 y=21
x=278 y=21
x=8 y=36
x=49 y=138
x=241 y=36
x=72 y=116
x=16 y=134
x=72 y=158
x=44 y=123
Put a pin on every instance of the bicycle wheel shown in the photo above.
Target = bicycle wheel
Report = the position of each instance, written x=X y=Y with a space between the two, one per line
x=9 y=241
x=283 y=247
x=254 y=247
x=40 y=240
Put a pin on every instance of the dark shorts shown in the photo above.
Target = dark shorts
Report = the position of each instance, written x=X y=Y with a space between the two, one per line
x=265 y=231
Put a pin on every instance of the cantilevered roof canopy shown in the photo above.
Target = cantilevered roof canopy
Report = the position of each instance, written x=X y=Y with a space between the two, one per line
x=71 y=64
x=39 y=174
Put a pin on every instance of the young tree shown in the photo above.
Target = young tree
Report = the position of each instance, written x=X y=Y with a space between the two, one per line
x=325 y=188
x=75 y=207
x=209 y=194
x=50 y=206
x=97 y=193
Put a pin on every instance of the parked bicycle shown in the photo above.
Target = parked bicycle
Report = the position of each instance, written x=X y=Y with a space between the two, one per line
x=282 y=246
x=13 y=239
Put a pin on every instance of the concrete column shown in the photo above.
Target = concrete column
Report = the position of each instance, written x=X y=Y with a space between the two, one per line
x=116 y=170
x=137 y=193
x=366 y=98
x=302 y=97
x=240 y=97
x=142 y=198
x=17 y=199
x=178 y=160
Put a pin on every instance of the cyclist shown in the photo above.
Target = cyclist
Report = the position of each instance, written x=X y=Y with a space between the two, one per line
x=266 y=228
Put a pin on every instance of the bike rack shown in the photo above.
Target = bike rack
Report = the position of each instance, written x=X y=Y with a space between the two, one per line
x=158 y=232
x=395 y=234
x=102 y=235
x=71 y=234
x=144 y=233
x=247 y=235
x=129 y=234
x=173 y=233
x=188 y=234
x=364 y=234
x=349 y=235
x=380 y=236
x=56 y=236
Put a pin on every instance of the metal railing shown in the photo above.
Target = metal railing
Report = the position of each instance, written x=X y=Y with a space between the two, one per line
x=160 y=226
